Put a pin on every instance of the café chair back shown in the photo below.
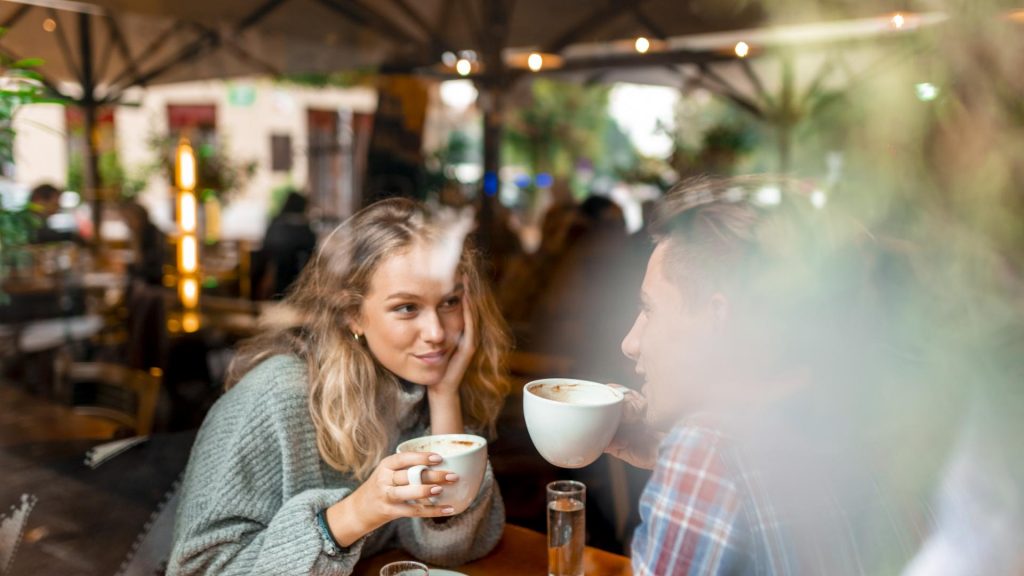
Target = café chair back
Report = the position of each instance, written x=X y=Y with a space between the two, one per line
x=123 y=395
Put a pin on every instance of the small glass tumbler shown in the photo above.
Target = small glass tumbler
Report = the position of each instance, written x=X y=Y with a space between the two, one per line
x=405 y=569
x=567 y=502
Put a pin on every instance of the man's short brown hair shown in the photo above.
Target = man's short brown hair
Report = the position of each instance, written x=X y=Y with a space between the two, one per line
x=715 y=229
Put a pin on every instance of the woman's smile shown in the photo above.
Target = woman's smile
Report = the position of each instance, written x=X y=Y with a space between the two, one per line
x=435 y=358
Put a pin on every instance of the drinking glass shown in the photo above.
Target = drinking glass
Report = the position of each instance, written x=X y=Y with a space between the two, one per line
x=405 y=569
x=567 y=502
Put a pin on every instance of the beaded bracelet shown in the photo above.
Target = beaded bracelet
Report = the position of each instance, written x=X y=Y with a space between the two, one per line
x=331 y=546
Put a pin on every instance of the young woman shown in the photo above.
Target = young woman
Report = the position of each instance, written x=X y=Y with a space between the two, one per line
x=294 y=471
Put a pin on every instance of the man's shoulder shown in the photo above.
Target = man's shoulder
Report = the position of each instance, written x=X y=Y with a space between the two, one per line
x=697 y=434
x=696 y=452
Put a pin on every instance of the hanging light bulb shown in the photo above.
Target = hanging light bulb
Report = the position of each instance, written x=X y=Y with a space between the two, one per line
x=535 y=62
x=463 y=67
x=189 y=292
x=742 y=49
x=642 y=45
x=187 y=211
x=190 y=322
x=898 y=21
x=185 y=167
x=188 y=254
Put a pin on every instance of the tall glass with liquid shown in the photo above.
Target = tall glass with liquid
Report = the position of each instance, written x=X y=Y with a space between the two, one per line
x=567 y=501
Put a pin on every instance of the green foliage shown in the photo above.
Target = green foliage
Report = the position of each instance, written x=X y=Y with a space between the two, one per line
x=278 y=195
x=708 y=136
x=461 y=148
x=563 y=123
x=20 y=84
x=340 y=79
x=216 y=172
x=127 y=183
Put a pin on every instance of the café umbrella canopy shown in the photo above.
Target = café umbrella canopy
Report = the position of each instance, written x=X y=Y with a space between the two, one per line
x=96 y=51
x=90 y=56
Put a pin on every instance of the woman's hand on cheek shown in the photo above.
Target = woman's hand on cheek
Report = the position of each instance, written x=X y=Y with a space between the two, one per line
x=463 y=354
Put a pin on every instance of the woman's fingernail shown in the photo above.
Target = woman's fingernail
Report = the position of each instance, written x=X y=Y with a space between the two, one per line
x=452 y=477
x=435 y=458
x=448 y=510
x=436 y=490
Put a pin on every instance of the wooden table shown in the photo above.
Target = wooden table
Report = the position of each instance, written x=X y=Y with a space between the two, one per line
x=25 y=418
x=521 y=552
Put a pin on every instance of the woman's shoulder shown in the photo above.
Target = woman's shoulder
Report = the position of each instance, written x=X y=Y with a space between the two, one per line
x=275 y=386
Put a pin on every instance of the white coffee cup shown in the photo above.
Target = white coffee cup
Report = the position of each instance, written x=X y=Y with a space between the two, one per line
x=464 y=454
x=571 y=422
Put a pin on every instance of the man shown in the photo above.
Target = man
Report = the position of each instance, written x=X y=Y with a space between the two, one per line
x=743 y=351
x=288 y=244
x=43 y=202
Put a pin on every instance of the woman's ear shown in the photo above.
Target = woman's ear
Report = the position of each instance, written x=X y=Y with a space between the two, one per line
x=355 y=326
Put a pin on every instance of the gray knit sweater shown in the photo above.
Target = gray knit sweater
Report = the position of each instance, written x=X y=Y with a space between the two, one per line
x=255 y=483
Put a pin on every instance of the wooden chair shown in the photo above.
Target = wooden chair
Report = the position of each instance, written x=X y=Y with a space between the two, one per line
x=112 y=392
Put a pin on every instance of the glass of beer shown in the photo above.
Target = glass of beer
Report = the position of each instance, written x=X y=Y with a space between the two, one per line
x=567 y=501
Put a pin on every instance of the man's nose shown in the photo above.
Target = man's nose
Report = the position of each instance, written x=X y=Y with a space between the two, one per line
x=631 y=343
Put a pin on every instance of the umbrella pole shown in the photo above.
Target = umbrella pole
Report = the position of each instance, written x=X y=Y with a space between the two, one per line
x=90 y=165
x=493 y=127
x=492 y=89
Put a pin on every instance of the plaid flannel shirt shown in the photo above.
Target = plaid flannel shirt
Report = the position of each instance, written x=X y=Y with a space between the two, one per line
x=702 y=513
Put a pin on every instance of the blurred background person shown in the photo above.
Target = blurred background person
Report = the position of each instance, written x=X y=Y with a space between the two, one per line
x=149 y=245
x=43 y=202
x=287 y=246
x=578 y=312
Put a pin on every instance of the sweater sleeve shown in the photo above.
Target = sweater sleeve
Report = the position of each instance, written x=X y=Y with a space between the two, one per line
x=461 y=539
x=232 y=541
x=254 y=486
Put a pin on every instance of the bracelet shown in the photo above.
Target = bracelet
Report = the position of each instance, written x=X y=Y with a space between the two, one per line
x=330 y=544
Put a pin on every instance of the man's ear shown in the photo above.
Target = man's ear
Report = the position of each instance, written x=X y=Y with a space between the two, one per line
x=720 y=309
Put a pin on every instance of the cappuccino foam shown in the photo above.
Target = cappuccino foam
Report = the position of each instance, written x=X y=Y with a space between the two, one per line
x=572 y=393
x=446 y=447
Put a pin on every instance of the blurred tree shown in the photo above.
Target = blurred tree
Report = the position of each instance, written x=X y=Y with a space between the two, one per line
x=217 y=174
x=20 y=84
x=438 y=167
x=124 y=183
x=563 y=124
x=709 y=135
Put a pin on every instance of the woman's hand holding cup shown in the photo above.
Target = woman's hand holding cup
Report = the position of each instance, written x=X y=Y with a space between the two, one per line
x=388 y=495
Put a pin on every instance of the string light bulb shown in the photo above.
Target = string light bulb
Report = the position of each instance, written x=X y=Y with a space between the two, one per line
x=190 y=322
x=463 y=67
x=642 y=45
x=187 y=211
x=535 y=62
x=188 y=255
x=898 y=20
x=741 y=49
x=185 y=167
x=49 y=25
x=189 y=292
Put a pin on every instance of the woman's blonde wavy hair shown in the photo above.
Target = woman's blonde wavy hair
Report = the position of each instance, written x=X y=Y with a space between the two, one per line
x=352 y=397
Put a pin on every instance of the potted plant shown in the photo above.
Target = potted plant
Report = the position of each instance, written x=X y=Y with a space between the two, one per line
x=20 y=84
